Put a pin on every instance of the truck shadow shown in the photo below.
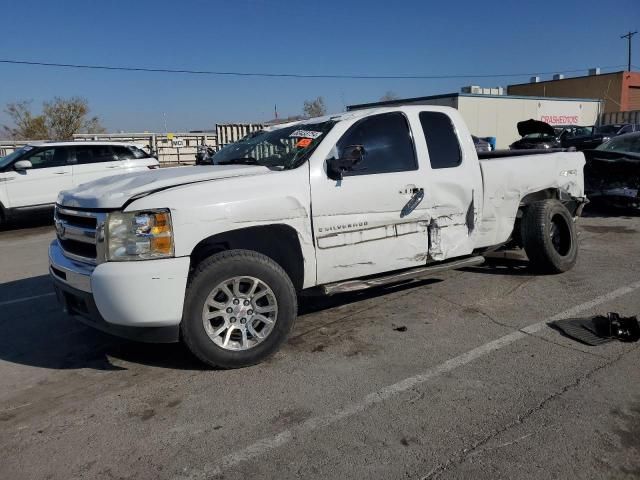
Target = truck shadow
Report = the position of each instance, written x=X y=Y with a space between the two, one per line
x=33 y=221
x=502 y=266
x=35 y=332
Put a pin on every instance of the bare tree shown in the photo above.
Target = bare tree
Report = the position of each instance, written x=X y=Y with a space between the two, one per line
x=26 y=125
x=314 y=108
x=59 y=120
x=66 y=117
x=389 y=96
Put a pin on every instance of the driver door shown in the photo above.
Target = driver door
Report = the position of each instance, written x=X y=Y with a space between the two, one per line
x=362 y=224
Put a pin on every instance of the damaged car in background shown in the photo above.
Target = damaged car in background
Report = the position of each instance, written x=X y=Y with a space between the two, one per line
x=612 y=172
x=599 y=135
x=326 y=205
x=540 y=135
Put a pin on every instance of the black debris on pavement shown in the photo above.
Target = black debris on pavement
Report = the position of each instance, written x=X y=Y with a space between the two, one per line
x=599 y=329
x=401 y=328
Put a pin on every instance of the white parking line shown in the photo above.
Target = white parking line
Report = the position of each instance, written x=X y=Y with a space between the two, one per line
x=25 y=299
x=266 y=444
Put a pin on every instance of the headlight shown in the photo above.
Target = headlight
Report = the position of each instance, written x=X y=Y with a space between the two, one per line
x=140 y=235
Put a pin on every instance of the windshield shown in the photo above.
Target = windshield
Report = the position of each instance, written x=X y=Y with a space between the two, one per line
x=4 y=161
x=623 y=143
x=282 y=148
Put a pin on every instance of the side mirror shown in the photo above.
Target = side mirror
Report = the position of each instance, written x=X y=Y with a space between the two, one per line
x=22 y=165
x=351 y=156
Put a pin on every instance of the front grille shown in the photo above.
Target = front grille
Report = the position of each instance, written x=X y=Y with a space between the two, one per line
x=87 y=222
x=86 y=250
x=80 y=234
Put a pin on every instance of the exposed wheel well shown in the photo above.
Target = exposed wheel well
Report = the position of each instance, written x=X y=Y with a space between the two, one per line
x=572 y=204
x=560 y=194
x=278 y=242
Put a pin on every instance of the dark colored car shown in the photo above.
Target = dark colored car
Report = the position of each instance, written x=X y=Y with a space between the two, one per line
x=535 y=135
x=612 y=171
x=600 y=135
x=540 y=135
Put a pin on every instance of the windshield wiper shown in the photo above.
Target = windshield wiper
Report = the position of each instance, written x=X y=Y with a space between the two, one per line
x=238 y=161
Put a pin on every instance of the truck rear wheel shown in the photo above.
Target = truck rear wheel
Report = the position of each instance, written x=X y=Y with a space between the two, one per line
x=549 y=237
x=239 y=308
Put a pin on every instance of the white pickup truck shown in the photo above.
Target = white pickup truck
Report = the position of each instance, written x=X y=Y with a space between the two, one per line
x=217 y=256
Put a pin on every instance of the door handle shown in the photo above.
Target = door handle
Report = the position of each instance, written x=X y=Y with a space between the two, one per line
x=59 y=173
x=414 y=201
x=113 y=167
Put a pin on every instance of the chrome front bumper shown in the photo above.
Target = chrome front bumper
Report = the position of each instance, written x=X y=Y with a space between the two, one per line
x=75 y=274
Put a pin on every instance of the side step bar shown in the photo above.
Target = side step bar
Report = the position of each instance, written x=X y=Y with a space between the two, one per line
x=412 y=274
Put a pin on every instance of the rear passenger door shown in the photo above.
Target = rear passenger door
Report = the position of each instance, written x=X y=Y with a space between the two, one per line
x=453 y=190
x=90 y=162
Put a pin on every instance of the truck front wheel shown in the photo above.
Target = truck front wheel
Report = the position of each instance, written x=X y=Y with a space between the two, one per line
x=549 y=237
x=239 y=308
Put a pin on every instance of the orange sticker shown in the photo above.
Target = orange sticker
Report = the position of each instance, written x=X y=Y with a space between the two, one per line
x=304 y=142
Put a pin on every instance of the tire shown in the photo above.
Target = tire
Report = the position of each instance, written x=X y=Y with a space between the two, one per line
x=549 y=237
x=227 y=334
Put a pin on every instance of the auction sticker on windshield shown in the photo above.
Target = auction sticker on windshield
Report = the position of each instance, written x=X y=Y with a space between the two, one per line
x=305 y=134
x=304 y=142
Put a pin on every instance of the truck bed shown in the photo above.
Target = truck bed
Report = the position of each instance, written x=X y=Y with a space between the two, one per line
x=518 y=153
x=507 y=180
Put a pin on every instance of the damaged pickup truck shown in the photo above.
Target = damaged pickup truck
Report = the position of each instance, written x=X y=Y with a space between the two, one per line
x=217 y=256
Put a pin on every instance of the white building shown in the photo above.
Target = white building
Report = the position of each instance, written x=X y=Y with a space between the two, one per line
x=496 y=115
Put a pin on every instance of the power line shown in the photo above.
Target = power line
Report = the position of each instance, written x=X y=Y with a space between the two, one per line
x=287 y=75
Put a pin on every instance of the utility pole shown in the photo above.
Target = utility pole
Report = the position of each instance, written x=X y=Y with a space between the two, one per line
x=628 y=37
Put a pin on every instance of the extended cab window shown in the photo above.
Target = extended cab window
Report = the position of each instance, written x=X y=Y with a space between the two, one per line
x=48 y=157
x=387 y=144
x=442 y=141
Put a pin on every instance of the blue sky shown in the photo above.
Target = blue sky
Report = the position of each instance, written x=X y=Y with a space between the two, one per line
x=314 y=37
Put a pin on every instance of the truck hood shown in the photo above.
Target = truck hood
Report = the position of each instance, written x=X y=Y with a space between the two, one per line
x=535 y=126
x=113 y=192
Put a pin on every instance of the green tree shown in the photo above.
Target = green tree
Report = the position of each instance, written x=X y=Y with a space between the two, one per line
x=314 y=108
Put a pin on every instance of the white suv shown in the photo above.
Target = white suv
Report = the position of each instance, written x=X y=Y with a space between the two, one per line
x=32 y=176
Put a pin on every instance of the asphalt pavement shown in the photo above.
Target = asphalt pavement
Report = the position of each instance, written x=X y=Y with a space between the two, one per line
x=456 y=376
